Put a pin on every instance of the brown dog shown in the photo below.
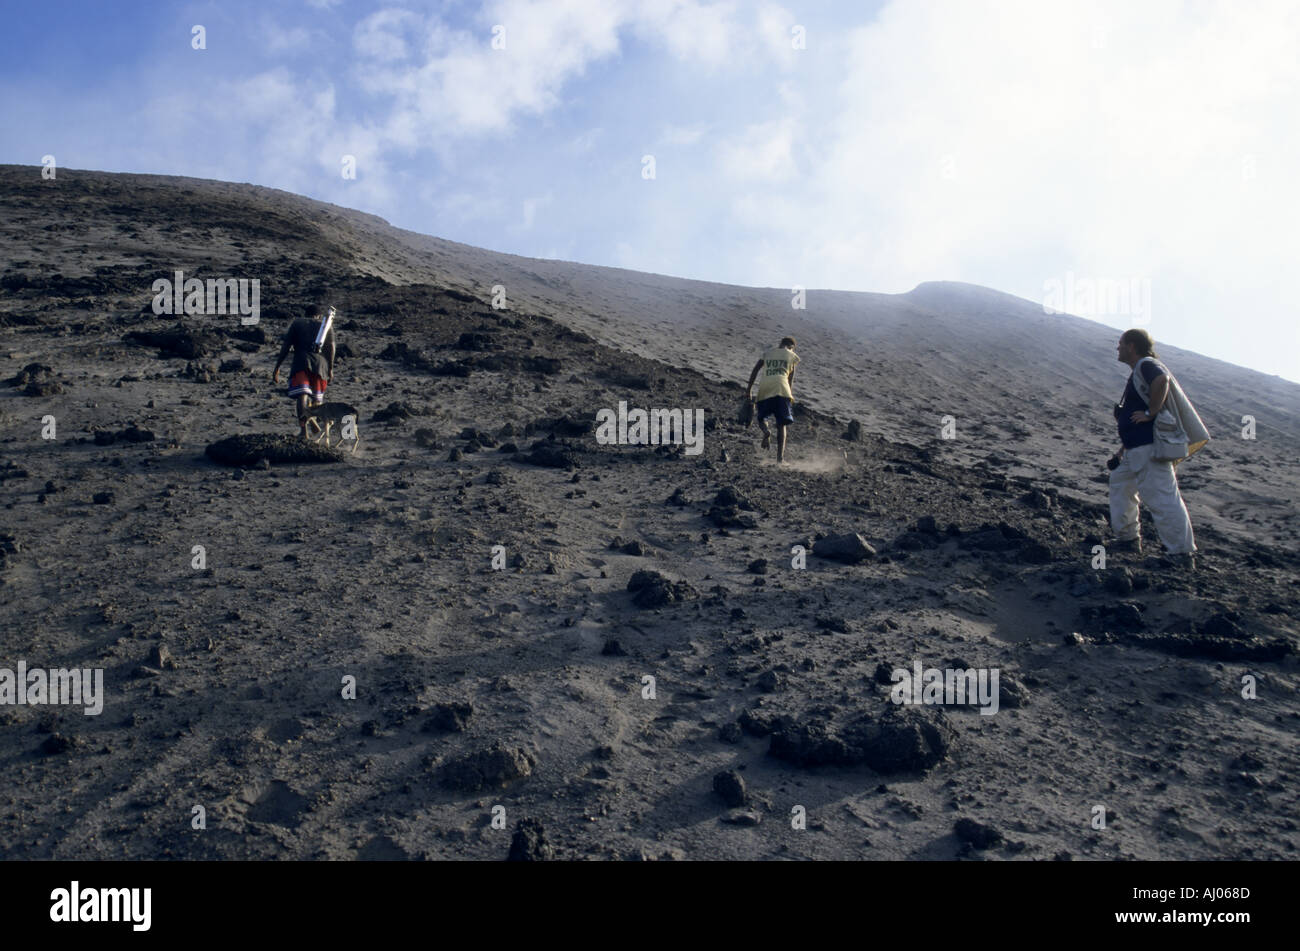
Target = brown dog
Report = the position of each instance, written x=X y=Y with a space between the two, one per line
x=330 y=421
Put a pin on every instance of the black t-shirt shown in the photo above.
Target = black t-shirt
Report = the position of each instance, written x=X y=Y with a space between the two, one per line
x=301 y=337
x=1132 y=434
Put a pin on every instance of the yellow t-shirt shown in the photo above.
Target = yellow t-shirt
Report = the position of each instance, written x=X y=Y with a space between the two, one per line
x=774 y=377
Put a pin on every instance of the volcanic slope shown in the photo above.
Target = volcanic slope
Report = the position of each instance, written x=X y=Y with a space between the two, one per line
x=232 y=609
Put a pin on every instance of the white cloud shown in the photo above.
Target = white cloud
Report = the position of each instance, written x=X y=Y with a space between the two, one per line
x=683 y=134
x=762 y=154
x=456 y=85
x=383 y=35
x=707 y=33
x=285 y=40
x=530 y=207
x=774 y=26
x=1135 y=148
x=585 y=142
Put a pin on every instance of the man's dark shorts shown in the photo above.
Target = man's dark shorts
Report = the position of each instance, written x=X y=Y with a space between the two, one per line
x=777 y=406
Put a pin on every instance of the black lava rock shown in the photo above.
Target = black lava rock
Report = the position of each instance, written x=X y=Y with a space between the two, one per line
x=978 y=834
x=650 y=589
x=529 y=843
x=448 y=718
x=492 y=768
x=730 y=787
x=899 y=739
x=247 y=450
x=849 y=548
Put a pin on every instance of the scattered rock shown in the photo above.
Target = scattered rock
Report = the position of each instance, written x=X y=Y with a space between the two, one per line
x=849 y=548
x=183 y=344
x=1035 y=553
x=529 y=843
x=57 y=743
x=1223 y=624
x=551 y=455
x=1037 y=499
x=729 y=516
x=926 y=525
x=899 y=739
x=977 y=834
x=650 y=589
x=396 y=412
x=761 y=723
x=1125 y=616
x=248 y=450
x=832 y=622
x=729 y=497
x=477 y=341
x=492 y=768
x=199 y=372
x=33 y=373
x=1247 y=762
x=916 y=541
x=1012 y=694
x=730 y=787
x=161 y=657
x=1203 y=645
x=36 y=379
x=448 y=718
x=568 y=425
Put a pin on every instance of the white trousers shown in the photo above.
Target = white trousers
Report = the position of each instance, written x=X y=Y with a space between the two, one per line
x=1140 y=477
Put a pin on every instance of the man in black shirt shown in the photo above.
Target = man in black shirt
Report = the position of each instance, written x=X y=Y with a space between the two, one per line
x=311 y=368
x=1139 y=474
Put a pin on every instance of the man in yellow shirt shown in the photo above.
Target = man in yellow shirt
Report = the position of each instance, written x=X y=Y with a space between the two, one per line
x=775 y=398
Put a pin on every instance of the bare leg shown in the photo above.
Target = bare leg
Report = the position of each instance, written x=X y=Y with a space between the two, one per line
x=302 y=413
x=767 y=433
x=780 y=442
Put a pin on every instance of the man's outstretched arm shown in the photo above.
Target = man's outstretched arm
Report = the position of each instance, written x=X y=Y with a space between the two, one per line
x=284 y=352
x=752 y=377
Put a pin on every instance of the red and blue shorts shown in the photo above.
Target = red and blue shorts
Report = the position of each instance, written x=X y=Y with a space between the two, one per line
x=306 y=382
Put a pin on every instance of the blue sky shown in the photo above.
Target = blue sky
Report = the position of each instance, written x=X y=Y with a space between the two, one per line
x=1021 y=144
